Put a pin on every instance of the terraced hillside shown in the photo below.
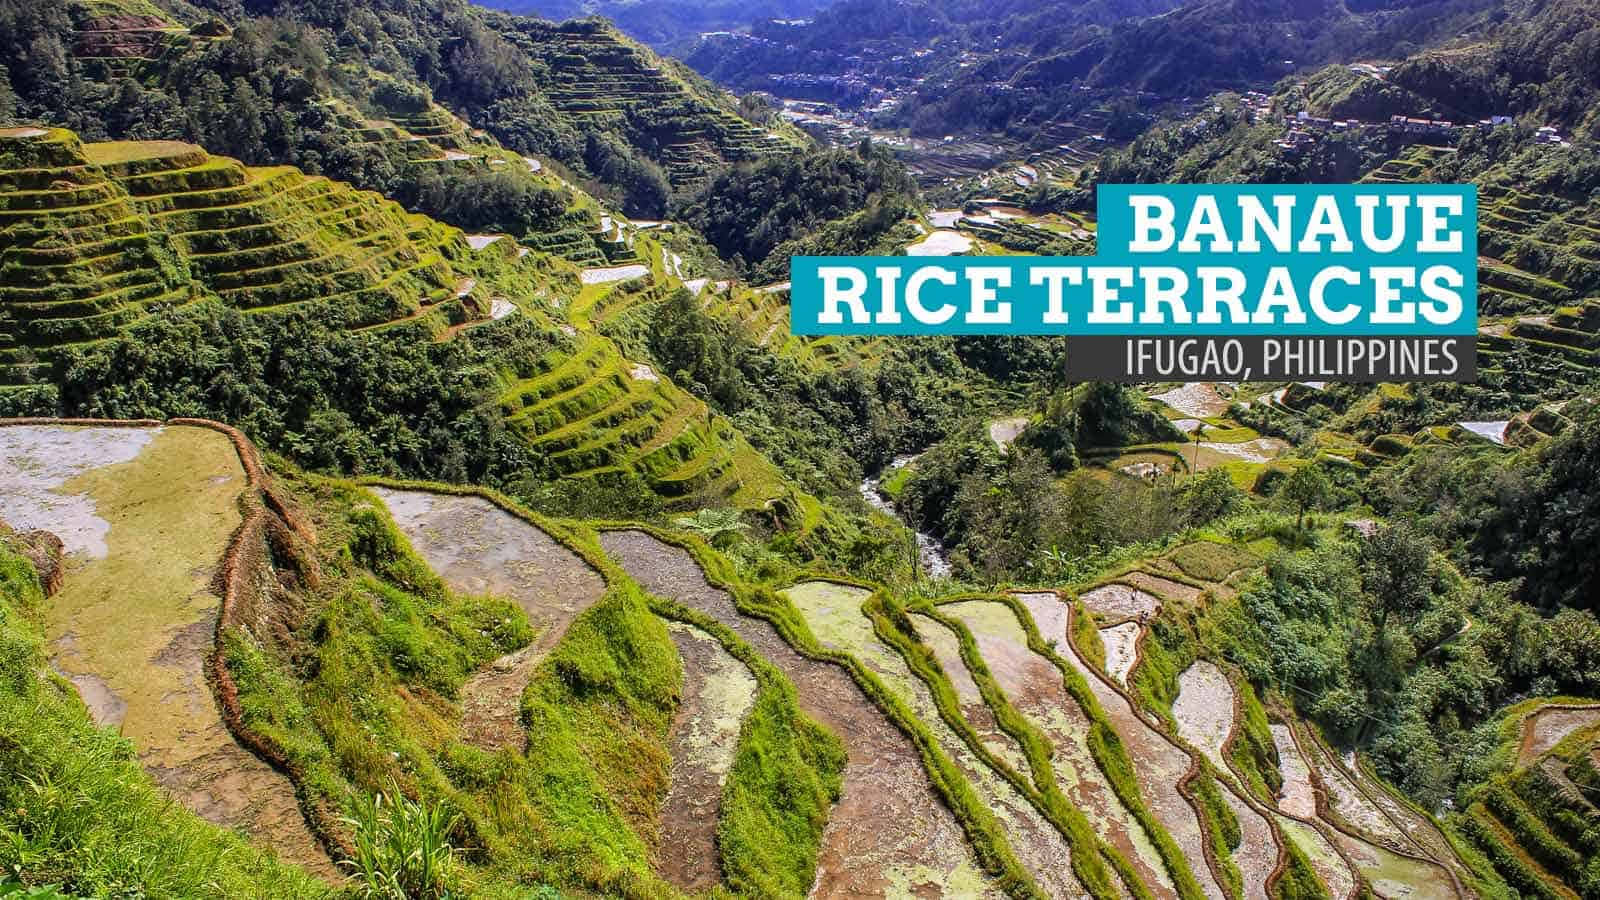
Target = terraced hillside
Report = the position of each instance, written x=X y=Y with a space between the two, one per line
x=147 y=517
x=320 y=566
x=762 y=315
x=594 y=414
x=102 y=236
x=108 y=238
x=1014 y=744
x=1034 y=720
x=1531 y=820
x=602 y=80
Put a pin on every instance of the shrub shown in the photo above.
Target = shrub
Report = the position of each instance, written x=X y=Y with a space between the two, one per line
x=403 y=849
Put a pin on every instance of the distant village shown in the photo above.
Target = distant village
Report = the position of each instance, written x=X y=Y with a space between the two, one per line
x=845 y=108
x=1305 y=130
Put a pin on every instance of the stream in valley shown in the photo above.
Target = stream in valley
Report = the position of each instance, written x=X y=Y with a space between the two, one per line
x=931 y=554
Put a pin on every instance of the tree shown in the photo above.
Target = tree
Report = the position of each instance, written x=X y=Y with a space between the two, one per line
x=1209 y=496
x=719 y=527
x=1305 y=488
x=1396 y=573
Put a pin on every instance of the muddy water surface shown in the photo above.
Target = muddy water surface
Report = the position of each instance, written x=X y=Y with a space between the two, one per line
x=1546 y=728
x=1384 y=852
x=1257 y=853
x=1121 y=643
x=1117 y=602
x=889 y=835
x=1160 y=764
x=1035 y=687
x=718 y=690
x=833 y=613
x=1298 y=796
x=946 y=649
x=1204 y=709
x=1204 y=713
x=146 y=515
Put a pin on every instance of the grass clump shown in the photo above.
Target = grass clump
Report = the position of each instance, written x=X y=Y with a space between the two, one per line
x=1097 y=865
x=78 y=815
x=598 y=711
x=1254 y=754
x=1222 y=826
x=1085 y=635
x=787 y=772
x=1298 y=880
x=1105 y=746
x=403 y=847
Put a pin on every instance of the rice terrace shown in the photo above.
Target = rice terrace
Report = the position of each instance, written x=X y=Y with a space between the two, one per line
x=412 y=488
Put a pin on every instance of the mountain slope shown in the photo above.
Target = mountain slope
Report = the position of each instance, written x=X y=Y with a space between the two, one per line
x=950 y=67
x=348 y=92
x=664 y=24
x=118 y=252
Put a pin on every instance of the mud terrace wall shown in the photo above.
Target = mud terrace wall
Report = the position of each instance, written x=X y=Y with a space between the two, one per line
x=245 y=568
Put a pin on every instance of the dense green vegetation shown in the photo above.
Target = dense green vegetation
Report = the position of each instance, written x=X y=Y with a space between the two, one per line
x=665 y=24
x=749 y=211
x=348 y=91
x=1528 y=520
x=1017 y=67
x=1006 y=513
x=389 y=643
x=801 y=417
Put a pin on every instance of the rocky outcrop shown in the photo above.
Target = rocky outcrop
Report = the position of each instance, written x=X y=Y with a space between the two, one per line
x=43 y=550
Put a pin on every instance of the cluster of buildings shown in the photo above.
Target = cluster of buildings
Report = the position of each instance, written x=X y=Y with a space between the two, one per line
x=1304 y=129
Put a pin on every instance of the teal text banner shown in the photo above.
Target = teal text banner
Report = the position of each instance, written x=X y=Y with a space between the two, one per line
x=1296 y=260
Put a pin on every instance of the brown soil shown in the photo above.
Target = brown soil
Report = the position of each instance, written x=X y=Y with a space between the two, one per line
x=127 y=36
x=1036 y=689
x=1119 y=602
x=1161 y=764
x=947 y=650
x=120 y=44
x=1543 y=730
x=1163 y=587
x=479 y=548
x=1204 y=713
x=132 y=626
x=717 y=693
x=889 y=834
x=45 y=552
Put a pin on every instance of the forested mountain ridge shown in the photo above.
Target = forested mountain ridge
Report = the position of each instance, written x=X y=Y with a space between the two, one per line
x=665 y=24
x=952 y=70
x=246 y=83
